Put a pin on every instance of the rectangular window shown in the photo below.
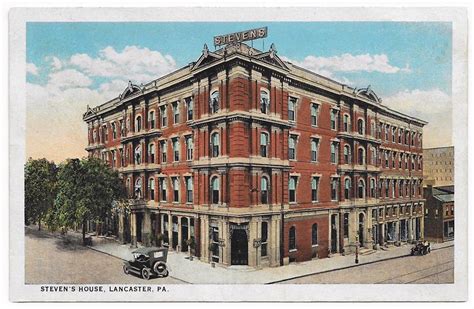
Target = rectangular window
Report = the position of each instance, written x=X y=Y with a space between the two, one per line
x=189 y=148
x=176 y=112
x=175 y=181
x=333 y=152
x=151 y=184
x=292 y=189
x=190 y=108
x=151 y=153
x=263 y=144
x=164 y=150
x=334 y=189
x=291 y=108
x=292 y=238
x=292 y=147
x=314 y=114
x=189 y=189
x=333 y=119
x=314 y=149
x=151 y=119
x=164 y=116
x=314 y=189
x=163 y=189
x=175 y=149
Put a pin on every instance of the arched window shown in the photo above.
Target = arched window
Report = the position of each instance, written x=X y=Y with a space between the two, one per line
x=215 y=186
x=360 y=127
x=214 y=102
x=361 y=156
x=151 y=119
x=264 y=190
x=138 y=155
x=361 y=189
x=138 y=188
x=292 y=238
x=347 y=188
x=264 y=144
x=314 y=149
x=372 y=187
x=127 y=185
x=314 y=234
x=215 y=144
x=151 y=184
x=138 y=124
x=347 y=154
x=151 y=153
x=264 y=102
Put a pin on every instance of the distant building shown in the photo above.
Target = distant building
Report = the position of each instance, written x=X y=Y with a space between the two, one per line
x=438 y=169
x=439 y=213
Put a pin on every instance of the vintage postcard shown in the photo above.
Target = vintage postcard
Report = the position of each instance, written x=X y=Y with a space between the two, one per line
x=267 y=154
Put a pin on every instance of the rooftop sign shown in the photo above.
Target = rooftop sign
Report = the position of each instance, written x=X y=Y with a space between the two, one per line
x=240 y=36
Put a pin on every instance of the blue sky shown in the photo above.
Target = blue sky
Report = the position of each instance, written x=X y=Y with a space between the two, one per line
x=407 y=64
x=425 y=47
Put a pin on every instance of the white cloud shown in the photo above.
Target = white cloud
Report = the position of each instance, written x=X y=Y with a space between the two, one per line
x=328 y=66
x=31 y=68
x=56 y=63
x=433 y=106
x=69 y=78
x=140 y=65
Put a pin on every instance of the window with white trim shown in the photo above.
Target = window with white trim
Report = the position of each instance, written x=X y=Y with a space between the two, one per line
x=314 y=149
x=292 y=108
x=292 y=188
x=264 y=102
x=314 y=114
x=314 y=189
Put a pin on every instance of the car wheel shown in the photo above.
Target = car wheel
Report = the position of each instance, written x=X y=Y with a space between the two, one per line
x=160 y=269
x=146 y=273
x=125 y=269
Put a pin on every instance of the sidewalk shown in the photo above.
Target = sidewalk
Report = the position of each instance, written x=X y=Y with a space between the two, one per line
x=198 y=272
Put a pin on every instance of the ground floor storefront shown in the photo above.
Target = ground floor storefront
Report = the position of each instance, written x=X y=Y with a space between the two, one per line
x=274 y=238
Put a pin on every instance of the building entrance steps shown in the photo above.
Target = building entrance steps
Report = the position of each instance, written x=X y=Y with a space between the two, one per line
x=201 y=272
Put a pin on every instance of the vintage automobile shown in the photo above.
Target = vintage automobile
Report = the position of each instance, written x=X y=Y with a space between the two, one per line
x=148 y=262
x=421 y=248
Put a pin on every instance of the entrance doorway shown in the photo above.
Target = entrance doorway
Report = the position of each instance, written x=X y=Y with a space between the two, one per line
x=333 y=233
x=361 y=229
x=139 y=219
x=239 y=247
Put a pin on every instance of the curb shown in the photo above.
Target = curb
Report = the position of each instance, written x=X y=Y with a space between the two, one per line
x=350 y=266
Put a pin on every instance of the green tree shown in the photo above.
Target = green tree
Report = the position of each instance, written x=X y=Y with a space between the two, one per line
x=40 y=189
x=86 y=190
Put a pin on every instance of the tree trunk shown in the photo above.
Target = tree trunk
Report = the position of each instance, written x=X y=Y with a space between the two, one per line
x=83 y=232
x=39 y=224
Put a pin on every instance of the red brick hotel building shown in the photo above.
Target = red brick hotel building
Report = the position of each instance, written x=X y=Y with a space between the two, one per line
x=260 y=162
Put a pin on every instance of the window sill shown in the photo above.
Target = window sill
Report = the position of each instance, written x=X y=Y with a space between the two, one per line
x=292 y=250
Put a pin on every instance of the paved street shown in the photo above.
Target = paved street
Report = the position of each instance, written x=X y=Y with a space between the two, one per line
x=54 y=260
x=436 y=267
